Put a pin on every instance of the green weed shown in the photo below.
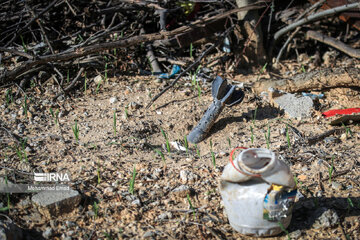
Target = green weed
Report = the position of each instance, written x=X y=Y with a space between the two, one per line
x=212 y=154
x=8 y=96
x=55 y=115
x=85 y=83
x=284 y=230
x=126 y=114
x=132 y=182
x=267 y=137
x=347 y=130
x=106 y=72
x=287 y=136
x=75 y=130
x=96 y=210
x=186 y=143
x=191 y=50
x=160 y=154
x=229 y=142
x=98 y=86
x=98 y=174
x=114 y=122
x=191 y=206
x=23 y=43
x=197 y=151
x=166 y=139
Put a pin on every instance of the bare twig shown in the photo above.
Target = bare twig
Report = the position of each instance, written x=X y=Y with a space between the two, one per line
x=31 y=21
x=352 y=52
x=72 y=84
x=13 y=51
x=190 y=67
x=315 y=17
x=316 y=5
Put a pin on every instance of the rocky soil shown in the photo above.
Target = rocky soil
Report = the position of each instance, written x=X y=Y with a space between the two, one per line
x=175 y=196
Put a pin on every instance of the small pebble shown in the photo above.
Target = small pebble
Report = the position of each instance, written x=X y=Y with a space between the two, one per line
x=336 y=186
x=47 y=233
x=113 y=100
x=148 y=234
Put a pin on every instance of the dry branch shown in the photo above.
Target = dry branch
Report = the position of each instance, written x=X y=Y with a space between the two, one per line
x=352 y=52
x=315 y=80
x=131 y=41
x=315 y=17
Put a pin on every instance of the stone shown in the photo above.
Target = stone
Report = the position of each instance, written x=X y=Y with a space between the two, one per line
x=181 y=191
x=55 y=203
x=187 y=176
x=337 y=186
x=325 y=218
x=113 y=100
x=47 y=233
x=295 y=107
x=98 y=79
x=295 y=234
x=148 y=234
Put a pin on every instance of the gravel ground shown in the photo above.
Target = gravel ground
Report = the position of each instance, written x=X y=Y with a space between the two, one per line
x=102 y=162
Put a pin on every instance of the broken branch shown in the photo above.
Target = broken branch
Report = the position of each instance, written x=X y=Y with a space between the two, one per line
x=355 y=53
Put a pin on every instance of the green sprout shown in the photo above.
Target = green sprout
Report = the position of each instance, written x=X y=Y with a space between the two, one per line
x=191 y=50
x=284 y=230
x=186 y=143
x=287 y=136
x=126 y=114
x=212 y=154
x=75 y=129
x=23 y=43
x=98 y=86
x=229 y=142
x=132 y=182
x=98 y=174
x=267 y=137
x=197 y=151
x=190 y=204
x=347 y=130
x=160 y=154
x=8 y=96
x=166 y=139
x=106 y=72
x=85 y=83
x=96 y=209
x=114 y=122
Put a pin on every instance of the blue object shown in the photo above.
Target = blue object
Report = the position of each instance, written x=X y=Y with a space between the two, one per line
x=175 y=69
x=313 y=96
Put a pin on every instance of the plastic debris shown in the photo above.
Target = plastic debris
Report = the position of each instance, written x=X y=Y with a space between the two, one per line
x=258 y=191
x=175 y=70
x=347 y=111
x=313 y=96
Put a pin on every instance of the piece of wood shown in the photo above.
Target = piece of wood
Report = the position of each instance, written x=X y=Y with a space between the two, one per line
x=352 y=52
x=314 y=80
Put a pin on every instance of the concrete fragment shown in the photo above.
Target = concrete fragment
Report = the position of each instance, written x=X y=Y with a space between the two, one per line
x=295 y=107
x=55 y=203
